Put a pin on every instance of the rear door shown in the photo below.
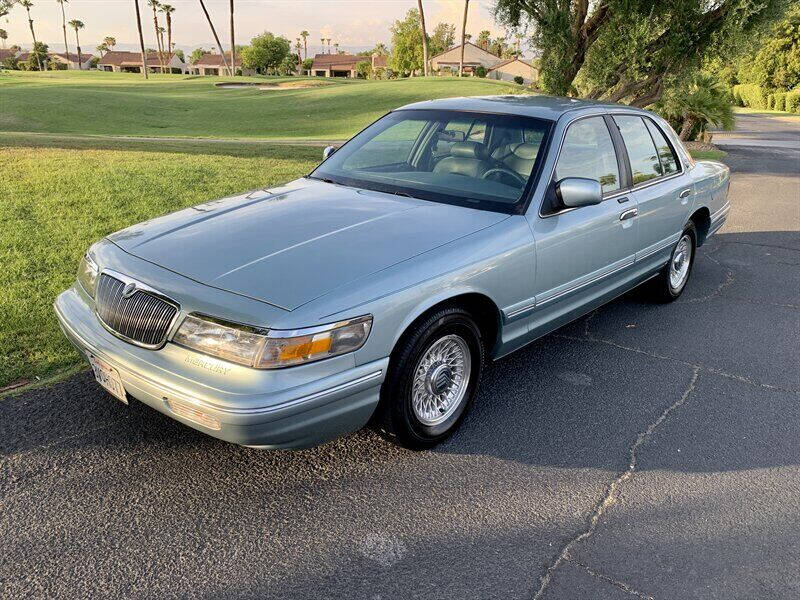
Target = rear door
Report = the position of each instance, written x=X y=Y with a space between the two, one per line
x=582 y=253
x=661 y=187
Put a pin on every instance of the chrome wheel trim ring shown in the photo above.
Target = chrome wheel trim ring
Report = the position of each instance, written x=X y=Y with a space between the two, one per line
x=441 y=379
x=679 y=263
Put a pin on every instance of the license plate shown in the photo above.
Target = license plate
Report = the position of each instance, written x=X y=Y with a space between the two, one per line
x=108 y=377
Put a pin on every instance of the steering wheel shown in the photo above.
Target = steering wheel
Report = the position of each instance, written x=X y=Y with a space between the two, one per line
x=500 y=173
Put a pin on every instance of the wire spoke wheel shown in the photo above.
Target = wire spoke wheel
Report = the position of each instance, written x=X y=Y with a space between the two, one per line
x=441 y=379
x=679 y=263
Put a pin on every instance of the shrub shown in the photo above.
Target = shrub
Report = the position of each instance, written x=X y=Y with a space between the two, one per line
x=780 y=100
x=793 y=101
x=749 y=94
x=771 y=101
x=480 y=71
x=518 y=79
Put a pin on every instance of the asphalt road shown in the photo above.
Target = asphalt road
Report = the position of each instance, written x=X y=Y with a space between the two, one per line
x=645 y=451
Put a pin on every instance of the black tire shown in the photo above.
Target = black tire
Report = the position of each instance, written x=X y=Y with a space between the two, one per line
x=663 y=290
x=397 y=419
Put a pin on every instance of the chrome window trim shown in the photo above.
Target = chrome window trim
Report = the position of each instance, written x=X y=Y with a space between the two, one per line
x=661 y=178
x=143 y=287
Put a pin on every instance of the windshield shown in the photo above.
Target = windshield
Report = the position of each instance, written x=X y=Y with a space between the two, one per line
x=473 y=159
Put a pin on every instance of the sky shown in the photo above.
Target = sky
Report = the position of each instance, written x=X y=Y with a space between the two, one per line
x=354 y=24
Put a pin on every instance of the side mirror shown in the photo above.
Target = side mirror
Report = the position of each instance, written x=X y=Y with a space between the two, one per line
x=574 y=192
x=327 y=152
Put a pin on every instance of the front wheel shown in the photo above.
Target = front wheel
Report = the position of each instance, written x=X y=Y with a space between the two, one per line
x=671 y=281
x=433 y=377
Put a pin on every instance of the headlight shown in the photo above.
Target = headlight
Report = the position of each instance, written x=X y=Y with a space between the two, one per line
x=272 y=349
x=87 y=274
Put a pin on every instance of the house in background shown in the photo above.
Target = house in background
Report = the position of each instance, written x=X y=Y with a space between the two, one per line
x=8 y=53
x=119 y=61
x=343 y=65
x=71 y=60
x=212 y=64
x=514 y=67
x=474 y=57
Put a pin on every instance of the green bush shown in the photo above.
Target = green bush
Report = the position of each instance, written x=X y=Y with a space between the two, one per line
x=780 y=100
x=518 y=80
x=749 y=94
x=771 y=101
x=793 y=101
x=480 y=71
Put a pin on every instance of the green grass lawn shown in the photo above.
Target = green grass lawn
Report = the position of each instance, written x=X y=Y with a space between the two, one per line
x=708 y=154
x=58 y=196
x=99 y=103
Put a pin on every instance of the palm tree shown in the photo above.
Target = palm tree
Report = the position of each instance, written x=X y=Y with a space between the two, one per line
x=155 y=5
x=323 y=44
x=141 y=38
x=28 y=4
x=297 y=47
x=233 y=46
x=304 y=34
x=329 y=44
x=484 y=37
x=216 y=37
x=101 y=49
x=168 y=10
x=110 y=42
x=463 y=38
x=76 y=25
x=424 y=39
x=165 y=54
x=64 y=27
x=3 y=37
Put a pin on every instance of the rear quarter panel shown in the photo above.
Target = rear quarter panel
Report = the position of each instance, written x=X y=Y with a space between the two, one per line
x=711 y=181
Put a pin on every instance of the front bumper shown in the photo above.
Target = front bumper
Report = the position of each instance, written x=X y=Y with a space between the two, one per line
x=286 y=408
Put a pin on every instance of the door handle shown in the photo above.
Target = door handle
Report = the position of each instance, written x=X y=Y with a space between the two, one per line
x=685 y=193
x=629 y=214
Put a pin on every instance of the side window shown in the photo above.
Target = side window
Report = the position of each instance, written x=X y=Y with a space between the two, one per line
x=669 y=162
x=589 y=152
x=641 y=151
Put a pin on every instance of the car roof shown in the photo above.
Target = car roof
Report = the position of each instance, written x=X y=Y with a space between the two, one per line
x=542 y=107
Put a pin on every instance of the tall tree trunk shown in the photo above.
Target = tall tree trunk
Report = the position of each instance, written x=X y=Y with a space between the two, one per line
x=216 y=37
x=78 y=44
x=158 y=39
x=233 y=47
x=141 y=38
x=463 y=38
x=305 y=48
x=64 y=27
x=169 y=39
x=424 y=39
x=33 y=35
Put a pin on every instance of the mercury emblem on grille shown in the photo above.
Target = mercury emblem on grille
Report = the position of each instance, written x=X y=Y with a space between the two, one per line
x=129 y=290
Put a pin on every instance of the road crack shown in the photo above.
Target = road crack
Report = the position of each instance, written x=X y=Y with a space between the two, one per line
x=610 y=497
x=610 y=580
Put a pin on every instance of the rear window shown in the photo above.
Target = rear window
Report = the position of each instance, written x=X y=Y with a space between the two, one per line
x=642 y=154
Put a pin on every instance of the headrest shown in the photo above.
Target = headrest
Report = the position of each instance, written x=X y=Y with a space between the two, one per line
x=469 y=150
x=526 y=151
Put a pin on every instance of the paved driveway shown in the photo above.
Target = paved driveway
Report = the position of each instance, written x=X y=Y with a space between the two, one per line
x=645 y=451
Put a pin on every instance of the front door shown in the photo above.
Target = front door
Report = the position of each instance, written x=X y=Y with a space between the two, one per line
x=583 y=254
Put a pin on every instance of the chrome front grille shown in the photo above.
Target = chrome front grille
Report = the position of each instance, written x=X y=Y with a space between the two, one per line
x=142 y=318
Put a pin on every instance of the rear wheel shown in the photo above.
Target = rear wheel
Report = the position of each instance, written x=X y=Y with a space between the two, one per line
x=670 y=283
x=433 y=377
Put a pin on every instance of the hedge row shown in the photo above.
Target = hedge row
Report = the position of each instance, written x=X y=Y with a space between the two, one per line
x=752 y=96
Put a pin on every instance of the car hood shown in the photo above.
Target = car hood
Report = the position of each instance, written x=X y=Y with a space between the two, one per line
x=290 y=245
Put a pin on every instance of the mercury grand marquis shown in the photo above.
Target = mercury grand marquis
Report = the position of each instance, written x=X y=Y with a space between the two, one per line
x=374 y=289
